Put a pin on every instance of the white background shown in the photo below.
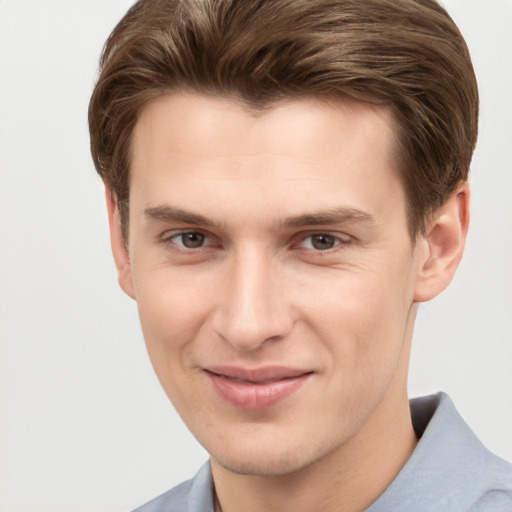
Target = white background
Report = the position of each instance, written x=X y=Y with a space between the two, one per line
x=84 y=425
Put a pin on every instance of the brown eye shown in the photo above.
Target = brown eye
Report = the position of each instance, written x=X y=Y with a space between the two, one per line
x=190 y=240
x=323 y=242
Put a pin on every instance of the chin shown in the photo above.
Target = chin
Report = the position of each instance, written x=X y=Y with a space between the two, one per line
x=267 y=458
x=262 y=465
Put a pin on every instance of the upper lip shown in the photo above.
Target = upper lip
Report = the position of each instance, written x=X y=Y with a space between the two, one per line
x=257 y=375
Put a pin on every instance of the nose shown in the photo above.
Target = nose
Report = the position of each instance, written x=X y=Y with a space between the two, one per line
x=253 y=308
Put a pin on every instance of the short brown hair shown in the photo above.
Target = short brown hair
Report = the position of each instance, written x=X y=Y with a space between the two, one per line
x=407 y=54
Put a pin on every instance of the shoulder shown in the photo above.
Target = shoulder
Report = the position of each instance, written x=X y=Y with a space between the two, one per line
x=450 y=469
x=195 y=495
x=471 y=473
x=497 y=500
x=174 y=500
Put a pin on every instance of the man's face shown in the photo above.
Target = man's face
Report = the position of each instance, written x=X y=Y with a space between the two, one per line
x=274 y=273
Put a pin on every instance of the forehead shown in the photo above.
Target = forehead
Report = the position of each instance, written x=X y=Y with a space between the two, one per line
x=305 y=153
x=218 y=121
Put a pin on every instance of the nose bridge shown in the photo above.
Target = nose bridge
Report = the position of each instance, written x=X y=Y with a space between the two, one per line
x=252 y=309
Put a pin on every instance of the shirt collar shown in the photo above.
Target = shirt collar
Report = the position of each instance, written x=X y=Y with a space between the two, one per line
x=449 y=469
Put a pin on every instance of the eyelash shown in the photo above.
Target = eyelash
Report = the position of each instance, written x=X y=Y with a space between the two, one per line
x=337 y=240
x=340 y=242
x=168 y=239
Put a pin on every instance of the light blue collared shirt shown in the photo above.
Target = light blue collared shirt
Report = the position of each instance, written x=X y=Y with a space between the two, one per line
x=449 y=471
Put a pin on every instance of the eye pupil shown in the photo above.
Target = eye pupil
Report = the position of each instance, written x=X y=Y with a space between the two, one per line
x=192 y=240
x=323 y=242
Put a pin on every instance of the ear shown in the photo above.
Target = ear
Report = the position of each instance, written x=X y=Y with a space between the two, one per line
x=119 y=250
x=444 y=245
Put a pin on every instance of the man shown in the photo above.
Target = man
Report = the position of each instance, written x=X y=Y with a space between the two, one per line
x=286 y=182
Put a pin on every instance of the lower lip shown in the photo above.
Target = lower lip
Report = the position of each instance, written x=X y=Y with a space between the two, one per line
x=254 y=396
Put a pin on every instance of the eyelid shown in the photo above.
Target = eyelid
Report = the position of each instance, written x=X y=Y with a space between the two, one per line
x=341 y=239
x=168 y=236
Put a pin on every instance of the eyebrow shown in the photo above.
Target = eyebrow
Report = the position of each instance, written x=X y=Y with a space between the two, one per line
x=172 y=214
x=340 y=215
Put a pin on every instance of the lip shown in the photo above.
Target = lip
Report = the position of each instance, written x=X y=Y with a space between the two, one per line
x=256 y=388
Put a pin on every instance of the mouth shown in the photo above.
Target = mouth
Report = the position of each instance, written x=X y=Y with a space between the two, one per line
x=254 y=389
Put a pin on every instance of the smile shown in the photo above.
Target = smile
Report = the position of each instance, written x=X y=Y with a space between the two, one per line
x=256 y=389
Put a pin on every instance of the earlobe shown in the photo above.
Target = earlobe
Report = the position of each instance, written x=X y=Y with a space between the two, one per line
x=444 y=245
x=119 y=250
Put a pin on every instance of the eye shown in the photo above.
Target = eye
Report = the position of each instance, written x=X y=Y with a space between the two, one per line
x=189 y=239
x=321 y=241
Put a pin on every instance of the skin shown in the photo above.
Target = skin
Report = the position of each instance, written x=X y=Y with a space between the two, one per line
x=303 y=259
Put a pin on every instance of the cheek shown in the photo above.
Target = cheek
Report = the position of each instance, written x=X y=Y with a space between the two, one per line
x=171 y=300
x=362 y=317
x=166 y=315
x=172 y=309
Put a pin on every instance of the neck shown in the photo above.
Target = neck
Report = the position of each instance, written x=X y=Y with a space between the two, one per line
x=349 y=479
